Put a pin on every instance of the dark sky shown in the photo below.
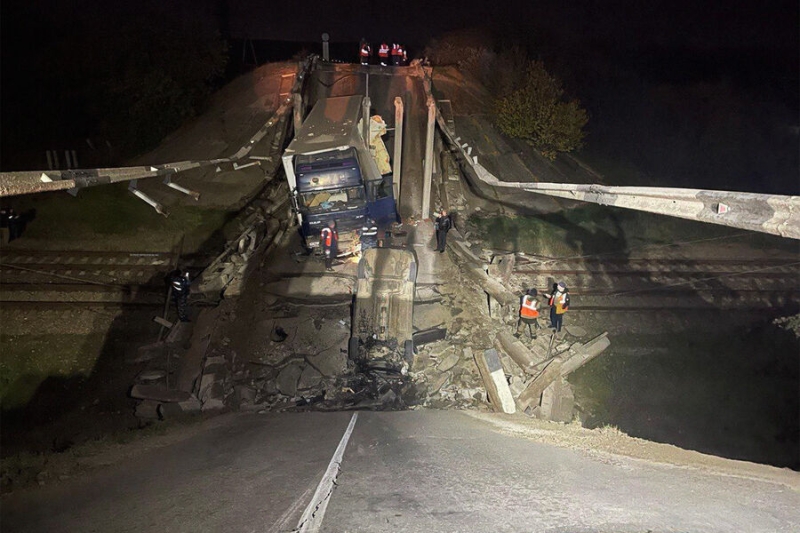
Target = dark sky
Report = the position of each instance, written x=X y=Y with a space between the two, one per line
x=702 y=24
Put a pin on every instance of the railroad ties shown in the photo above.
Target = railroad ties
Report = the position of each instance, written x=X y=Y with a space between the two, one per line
x=614 y=284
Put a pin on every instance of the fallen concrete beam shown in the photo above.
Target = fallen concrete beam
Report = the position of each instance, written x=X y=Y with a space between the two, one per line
x=585 y=353
x=426 y=336
x=533 y=392
x=525 y=358
x=494 y=380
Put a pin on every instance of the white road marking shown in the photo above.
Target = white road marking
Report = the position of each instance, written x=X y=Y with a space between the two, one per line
x=311 y=520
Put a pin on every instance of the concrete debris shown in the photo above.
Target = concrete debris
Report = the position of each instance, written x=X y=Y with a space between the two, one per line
x=151 y=375
x=429 y=335
x=147 y=410
x=309 y=379
x=448 y=362
x=288 y=378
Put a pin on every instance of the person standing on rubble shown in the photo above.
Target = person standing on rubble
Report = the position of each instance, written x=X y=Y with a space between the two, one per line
x=559 y=304
x=395 y=54
x=364 y=52
x=528 y=312
x=443 y=224
x=383 y=54
x=329 y=240
x=180 y=283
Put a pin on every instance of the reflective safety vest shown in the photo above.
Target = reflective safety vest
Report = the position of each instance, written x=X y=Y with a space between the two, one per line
x=383 y=51
x=365 y=51
x=395 y=49
x=369 y=231
x=561 y=301
x=528 y=307
x=328 y=237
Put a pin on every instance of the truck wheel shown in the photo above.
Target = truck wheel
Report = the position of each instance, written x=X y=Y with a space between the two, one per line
x=408 y=350
x=352 y=348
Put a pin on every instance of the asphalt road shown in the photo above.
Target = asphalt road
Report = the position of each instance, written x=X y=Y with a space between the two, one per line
x=432 y=471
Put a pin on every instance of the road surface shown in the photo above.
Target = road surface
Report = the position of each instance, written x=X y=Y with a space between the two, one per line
x=414 y=471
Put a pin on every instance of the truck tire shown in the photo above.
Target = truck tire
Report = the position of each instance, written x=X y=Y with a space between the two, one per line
x=352 y=348
x=408 y=350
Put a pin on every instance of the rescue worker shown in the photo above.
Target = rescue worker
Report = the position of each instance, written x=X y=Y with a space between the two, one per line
x=369 y=235
x=404 y=59
x=180 y=284
x=400 y=53
x=528 y=312
x=383 y=54
x=329 y=240
x=395 y=54
x=365 y=52
x=442 y=225
x=559 y=304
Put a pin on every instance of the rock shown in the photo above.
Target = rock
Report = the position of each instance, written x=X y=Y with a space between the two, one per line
x=215 y=360
x=151 y=375
x=147 y=410
x=245 y=394
x=288 y=378
x=449 y=361
x=213 y=404
x=575 y=331
x=437 y=382
x=331 y=362
x=309 y=379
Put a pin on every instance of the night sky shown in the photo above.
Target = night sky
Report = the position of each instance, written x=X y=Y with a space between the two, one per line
x=752 y=45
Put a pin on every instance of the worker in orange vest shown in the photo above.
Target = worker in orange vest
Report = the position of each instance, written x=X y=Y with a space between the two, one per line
x=365 y=52
x=528 y=312
x=559 y=304
x=383 y=54
x=395 y=54
x=329 y=240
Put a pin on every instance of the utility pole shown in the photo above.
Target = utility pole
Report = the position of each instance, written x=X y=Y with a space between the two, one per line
x=398 y=147
x=428 y=167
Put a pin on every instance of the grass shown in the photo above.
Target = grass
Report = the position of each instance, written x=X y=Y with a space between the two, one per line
x=596 y=229
x=28 y=360
x=109 y=217
x=731 y=393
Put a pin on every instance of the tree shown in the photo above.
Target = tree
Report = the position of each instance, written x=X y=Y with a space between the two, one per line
x=536 y=111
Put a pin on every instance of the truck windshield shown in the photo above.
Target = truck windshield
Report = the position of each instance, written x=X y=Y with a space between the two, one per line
x=337 y=199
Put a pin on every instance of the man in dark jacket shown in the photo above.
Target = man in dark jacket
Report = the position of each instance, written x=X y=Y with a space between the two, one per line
x=442 y=225
x=180 y=284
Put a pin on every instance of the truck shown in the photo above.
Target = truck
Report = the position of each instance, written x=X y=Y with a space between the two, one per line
x=381 y=343
x=332 y=174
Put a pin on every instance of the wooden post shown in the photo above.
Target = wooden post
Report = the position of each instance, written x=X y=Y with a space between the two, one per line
x=427 y=173
x=398 y=147
x=533 y=392
x=494 y=379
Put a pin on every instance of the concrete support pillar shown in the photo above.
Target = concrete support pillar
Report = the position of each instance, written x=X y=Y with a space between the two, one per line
x=298 y=111
x=398 y=147
x=365 y=106
x=428 y=167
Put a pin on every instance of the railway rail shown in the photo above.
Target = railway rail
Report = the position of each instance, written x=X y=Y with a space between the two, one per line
x=34 y=279
x=651 y=285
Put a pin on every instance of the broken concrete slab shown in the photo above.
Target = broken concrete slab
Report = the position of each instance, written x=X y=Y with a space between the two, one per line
x=309 y=379
x=288 y=378
x=330 y=363
x=494 y=379
x=213 y=404
x=310 y=288
x=558 y=402
x=525 y=358
x=450 y=360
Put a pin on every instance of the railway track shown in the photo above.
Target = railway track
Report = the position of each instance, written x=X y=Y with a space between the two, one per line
x=69 y=279
x=669 y=284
